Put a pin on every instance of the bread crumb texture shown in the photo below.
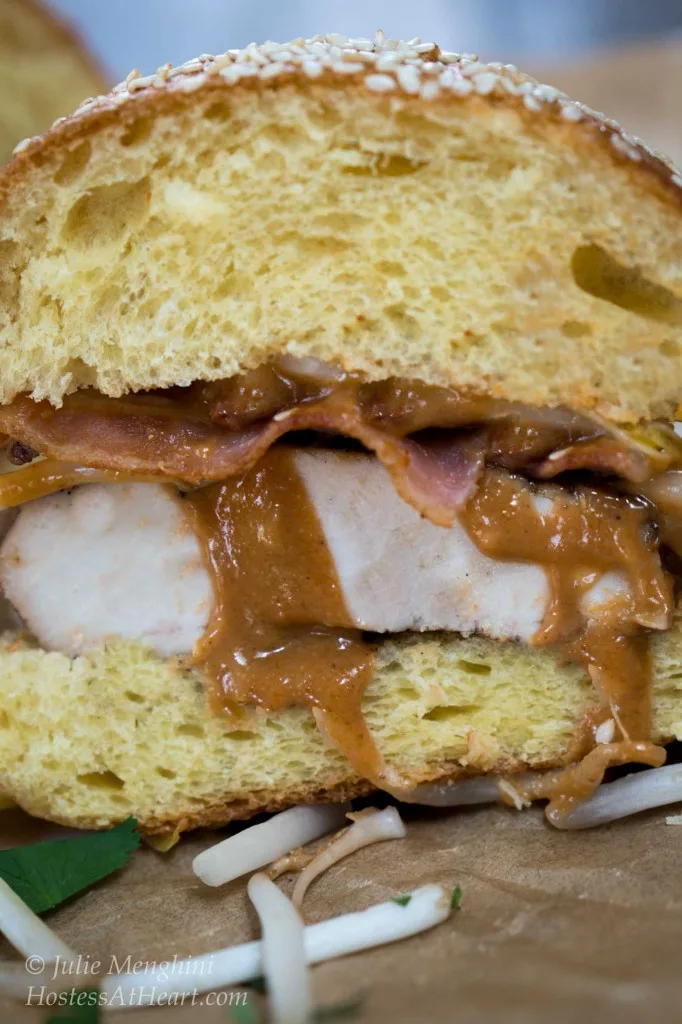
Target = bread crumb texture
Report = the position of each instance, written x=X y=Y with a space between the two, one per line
x=489 y=237
x=90 y=741
x=44 y=72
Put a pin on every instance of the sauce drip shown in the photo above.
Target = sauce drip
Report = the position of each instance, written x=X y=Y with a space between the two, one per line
x=280 y=634
x=585 y=533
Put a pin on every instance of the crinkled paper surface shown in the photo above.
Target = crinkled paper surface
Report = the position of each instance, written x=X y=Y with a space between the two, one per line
x=566 y=927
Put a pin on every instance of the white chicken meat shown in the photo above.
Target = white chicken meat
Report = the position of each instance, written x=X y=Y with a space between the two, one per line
x=123 y=560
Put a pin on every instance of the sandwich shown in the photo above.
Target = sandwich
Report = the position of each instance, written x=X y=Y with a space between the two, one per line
x=45 y=70
x=338 y=386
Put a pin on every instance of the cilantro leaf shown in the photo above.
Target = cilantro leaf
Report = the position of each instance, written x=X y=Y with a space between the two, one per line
x=245 y=1013
x=402 y=901
x=258 y=985
x=82 y=1008
x=456 y=898
x=342 y=1010
x=46 y=874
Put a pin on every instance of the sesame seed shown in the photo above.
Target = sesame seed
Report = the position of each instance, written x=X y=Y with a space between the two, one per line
x=547 y=92
x=21 y=146
x=387 y=61
x=312 y=68
x=462 y=87
x=140 y=83
x=571 y=112
x=380 y=83
x=218 y=64
x=511 y=86
x=605 y=732
x=191 y=84
x=255 y=57
x=430 y=90
x=628 y=150
x=367 y=56
x=485 y=83
x=272 y=70
x=388 y=65
x=345 y=68
x=408 y=79
x=232 y=73
x=319 y=49
x=675 y=178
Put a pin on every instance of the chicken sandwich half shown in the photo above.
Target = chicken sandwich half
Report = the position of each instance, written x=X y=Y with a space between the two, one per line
x=338 y=382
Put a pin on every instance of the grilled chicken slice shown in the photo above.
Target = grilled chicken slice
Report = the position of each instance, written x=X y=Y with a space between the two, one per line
x=400 y=572
x=107 y=560
x=122 y=560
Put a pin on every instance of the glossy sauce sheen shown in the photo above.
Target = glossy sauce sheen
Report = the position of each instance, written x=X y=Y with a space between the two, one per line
x=587 y=532
x=280 y=634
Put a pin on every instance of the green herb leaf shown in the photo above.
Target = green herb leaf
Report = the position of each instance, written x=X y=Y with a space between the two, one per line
x=456 y=899
x=82 y=1008
x=342 y=1010
x=245 y=1013
x=258 y=985
x=402 y=901
x=46 y=874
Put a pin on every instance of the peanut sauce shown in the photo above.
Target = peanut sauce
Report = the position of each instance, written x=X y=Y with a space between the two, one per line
x=280 y=633
x=586 y=532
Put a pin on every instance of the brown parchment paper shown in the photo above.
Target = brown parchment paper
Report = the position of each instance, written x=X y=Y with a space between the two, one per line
x=554 y=927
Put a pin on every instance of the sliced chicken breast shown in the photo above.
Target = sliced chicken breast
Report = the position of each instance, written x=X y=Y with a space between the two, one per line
x=400 y=572
x=122 y=560
x=107 y=560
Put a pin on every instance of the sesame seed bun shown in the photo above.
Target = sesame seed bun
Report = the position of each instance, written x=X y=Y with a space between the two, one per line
x=45 y=70
x=383 y=206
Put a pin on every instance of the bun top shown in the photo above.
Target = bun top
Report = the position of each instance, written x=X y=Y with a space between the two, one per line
x=387 y=207
x=44 y=71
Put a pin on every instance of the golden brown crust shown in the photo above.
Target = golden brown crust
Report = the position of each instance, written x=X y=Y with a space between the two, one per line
x=159 y=158
x=173 y=88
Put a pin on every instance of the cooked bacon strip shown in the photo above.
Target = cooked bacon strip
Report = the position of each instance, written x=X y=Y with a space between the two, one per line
x=155 y=436
x=605 y=455
x=48 y=476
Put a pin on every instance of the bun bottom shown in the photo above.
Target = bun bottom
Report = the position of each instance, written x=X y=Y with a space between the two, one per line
x=92 y=741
